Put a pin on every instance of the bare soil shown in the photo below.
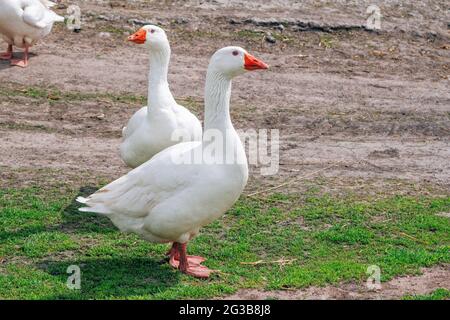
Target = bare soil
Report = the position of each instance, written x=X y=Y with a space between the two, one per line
x=436 y=277
x=357 y=110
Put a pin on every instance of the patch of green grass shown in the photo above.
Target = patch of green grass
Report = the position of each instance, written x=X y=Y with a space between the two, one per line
x=45 y=243
x=112 y=29
x=285 y=38
x=259 y=35
x=10 y=125
x=198 y=34
x=250 y=34
x=282 y=242
x=192 y=104
x=51 y=95
x=438 y=294
x=326 y=41
x=346 y=235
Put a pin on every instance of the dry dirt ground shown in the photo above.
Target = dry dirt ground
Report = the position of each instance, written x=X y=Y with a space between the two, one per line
x=360 y=111
x=437 y=277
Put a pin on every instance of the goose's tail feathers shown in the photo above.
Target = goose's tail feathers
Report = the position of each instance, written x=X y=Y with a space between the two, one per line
x=81 y=200
x=93 y=207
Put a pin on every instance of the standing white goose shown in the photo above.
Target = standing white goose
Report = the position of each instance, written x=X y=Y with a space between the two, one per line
x=23 y=23
x=169 y=200
x=150 y=129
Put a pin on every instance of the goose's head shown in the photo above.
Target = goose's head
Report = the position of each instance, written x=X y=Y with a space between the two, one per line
x=151 y=36
x=233 y=61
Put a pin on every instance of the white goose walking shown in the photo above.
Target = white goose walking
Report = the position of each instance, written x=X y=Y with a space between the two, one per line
x=150 y=130
x=165 y=200
x=23 y=23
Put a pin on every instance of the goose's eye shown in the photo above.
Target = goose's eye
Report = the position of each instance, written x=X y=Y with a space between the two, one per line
x=152 y=30
x=235 y=53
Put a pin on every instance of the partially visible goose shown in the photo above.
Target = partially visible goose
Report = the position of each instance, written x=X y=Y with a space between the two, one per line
x=23 y=23
x=150 y=130
x=168 y=200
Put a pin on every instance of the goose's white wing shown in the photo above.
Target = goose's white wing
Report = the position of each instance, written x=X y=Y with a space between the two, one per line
x=135 y=194
x=47 y=3
x=40 y=17
x=34 y=16
x=54 y=17
x=134 y=122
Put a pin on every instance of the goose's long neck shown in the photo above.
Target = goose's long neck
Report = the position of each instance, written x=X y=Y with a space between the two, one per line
x=218 y=120
x=217 y=102
x=159 y=95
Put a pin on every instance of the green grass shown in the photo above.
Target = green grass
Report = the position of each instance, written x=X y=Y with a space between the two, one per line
x=438 y=294
x=53 y=94
x=10 y=125
x=253 y=35
x=324 y=240
x=326 y=41
x=250 y=34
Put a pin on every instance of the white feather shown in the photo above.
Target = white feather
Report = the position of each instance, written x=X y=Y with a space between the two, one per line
x=26 y=21
x=81 y=200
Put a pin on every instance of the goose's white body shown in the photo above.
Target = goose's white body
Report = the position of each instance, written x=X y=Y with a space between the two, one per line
x=24 y=22
x=151 y=129
x=167 y=199
x=164 y=200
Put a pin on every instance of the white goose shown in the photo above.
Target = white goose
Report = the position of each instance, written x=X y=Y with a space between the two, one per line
x=150 y=129
x=168 y=200
x=23 y=23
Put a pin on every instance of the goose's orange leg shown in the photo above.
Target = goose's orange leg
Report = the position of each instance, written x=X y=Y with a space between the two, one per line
x=21 y=62
x=8 y=54
x=173 y=252
x=190 y=265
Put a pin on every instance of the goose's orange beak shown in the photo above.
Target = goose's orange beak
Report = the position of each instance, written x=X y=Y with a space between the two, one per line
x=252 y=63
x=139 y=36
